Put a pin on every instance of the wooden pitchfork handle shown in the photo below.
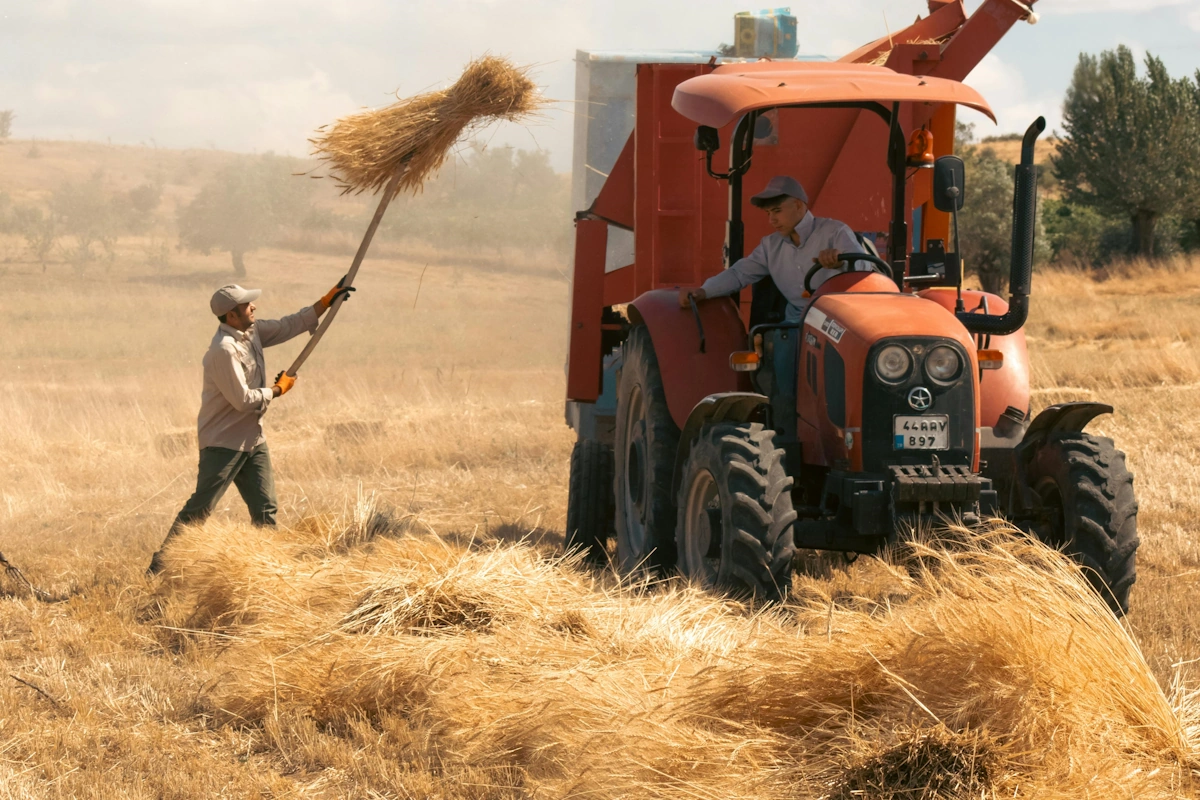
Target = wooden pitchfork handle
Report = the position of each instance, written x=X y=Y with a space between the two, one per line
x=388 y=193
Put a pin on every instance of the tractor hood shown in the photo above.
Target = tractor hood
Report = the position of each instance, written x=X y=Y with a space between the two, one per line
x=857 y=409
x=859 y=319
x=732 y=90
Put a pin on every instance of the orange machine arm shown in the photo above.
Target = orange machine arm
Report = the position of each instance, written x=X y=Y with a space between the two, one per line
x=963 y=41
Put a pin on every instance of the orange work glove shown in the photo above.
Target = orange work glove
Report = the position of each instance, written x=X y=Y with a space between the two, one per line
x=283 y=382
x=333 y=293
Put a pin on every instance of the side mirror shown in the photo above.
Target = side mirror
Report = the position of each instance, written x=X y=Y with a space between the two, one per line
x=707 y=139
x=949 y=183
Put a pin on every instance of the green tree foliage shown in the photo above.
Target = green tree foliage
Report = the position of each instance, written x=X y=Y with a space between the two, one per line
x=964 y=135
x=242 y=207
x=1132 y=144
x=1082 y=235
x=6 y=120
x=986 y=220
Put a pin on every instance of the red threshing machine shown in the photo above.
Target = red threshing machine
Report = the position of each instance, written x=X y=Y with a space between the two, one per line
x=717 y=440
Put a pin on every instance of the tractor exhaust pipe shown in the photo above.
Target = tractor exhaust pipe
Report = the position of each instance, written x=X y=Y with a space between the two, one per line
x=1020 y=278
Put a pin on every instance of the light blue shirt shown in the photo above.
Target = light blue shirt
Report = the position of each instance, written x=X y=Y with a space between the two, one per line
x=788 y=263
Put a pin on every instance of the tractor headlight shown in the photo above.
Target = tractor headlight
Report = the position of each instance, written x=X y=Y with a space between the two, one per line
x=943 y=364
x=893 y=364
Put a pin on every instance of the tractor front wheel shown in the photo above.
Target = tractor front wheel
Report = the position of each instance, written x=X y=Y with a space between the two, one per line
x=735 y=530
x=1087 y=507
x=646 y=440
x=590 y=499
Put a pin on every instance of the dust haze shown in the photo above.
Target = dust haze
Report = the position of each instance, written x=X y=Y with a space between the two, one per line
x=413 y=628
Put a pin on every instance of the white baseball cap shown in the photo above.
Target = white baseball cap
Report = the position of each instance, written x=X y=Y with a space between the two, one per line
x=230 y=296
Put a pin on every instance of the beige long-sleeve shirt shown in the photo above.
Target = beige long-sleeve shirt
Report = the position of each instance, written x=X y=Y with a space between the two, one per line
x=788 y=263
x=236 y=393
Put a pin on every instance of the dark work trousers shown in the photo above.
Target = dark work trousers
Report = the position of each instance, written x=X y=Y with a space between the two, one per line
x=249 y=471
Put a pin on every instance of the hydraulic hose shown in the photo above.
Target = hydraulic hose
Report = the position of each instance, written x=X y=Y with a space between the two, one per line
x=1020 y=278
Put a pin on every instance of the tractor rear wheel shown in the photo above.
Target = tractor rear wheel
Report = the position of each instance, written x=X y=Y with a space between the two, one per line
x=1085 y=495
x=590 y=499
x=735 y=529
x=646 y=440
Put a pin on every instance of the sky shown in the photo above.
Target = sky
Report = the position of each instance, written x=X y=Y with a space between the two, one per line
x=261 y=75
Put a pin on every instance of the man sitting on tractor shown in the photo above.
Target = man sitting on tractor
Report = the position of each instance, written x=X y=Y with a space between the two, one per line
x=787 y=255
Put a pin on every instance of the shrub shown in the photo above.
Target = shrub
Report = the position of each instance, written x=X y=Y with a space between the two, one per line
x=245 y=205
x=985 y=223
x=39 y=228
x=90 y=214
x=488 y=200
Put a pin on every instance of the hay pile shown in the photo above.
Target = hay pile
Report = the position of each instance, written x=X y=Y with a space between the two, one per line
x=413 y=137
x=881 y=58
x=986 y=669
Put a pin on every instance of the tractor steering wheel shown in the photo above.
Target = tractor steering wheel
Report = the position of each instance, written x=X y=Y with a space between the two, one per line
x=883 y=266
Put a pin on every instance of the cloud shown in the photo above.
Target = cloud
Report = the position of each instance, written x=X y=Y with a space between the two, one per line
x=262 y=74
x=1015 y=104
x=1097 y=6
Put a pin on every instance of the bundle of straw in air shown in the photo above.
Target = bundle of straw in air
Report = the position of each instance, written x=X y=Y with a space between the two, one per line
x=414 y=136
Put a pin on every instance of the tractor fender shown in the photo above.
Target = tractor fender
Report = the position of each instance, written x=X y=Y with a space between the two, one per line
x=724 y=407
x=690 y=375
x=1073 y=417
x=1070 y=417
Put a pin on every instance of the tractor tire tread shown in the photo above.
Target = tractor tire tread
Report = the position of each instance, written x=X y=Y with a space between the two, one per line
x=1099 y=509
x=590 y=500
x=756 y=505
x=640 y=367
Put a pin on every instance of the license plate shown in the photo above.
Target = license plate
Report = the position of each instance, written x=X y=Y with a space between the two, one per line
x=931 y=432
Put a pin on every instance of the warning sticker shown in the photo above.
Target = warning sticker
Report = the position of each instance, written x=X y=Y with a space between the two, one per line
x=815 y=318
x=833 y=329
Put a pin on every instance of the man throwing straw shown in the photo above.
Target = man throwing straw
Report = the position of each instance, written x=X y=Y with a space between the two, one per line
x=235 y=397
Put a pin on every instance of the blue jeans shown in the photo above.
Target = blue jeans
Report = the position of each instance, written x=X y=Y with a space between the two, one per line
x=794 y=313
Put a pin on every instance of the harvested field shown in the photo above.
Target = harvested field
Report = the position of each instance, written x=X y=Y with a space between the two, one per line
x=411 y=630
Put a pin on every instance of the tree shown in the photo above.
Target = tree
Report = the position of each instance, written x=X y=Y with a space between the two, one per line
x=985 y=223
x=6 y=118
x=490 y=197
x=88 y=212
x=140 y=203
x=1132 y=143
x=964 y=135
x=242 y=207
x=39 y=228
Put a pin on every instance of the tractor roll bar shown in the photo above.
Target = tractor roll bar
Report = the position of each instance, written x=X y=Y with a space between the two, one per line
x=742 y=150
x=1020 y=278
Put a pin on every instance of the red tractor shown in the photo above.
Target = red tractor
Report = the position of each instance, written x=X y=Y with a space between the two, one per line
x=717 y=440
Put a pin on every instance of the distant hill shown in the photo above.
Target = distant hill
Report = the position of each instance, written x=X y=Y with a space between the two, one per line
x=1010 y=149
x=509 y=199
x=33 y=169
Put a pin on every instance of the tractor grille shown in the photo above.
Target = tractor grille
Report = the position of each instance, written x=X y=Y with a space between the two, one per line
x=883 y=402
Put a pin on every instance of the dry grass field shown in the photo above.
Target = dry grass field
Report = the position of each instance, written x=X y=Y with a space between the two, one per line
x=410 y=631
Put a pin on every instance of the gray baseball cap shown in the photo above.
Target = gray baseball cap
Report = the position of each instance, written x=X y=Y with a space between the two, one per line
x=230 y=296
x=780 y=186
